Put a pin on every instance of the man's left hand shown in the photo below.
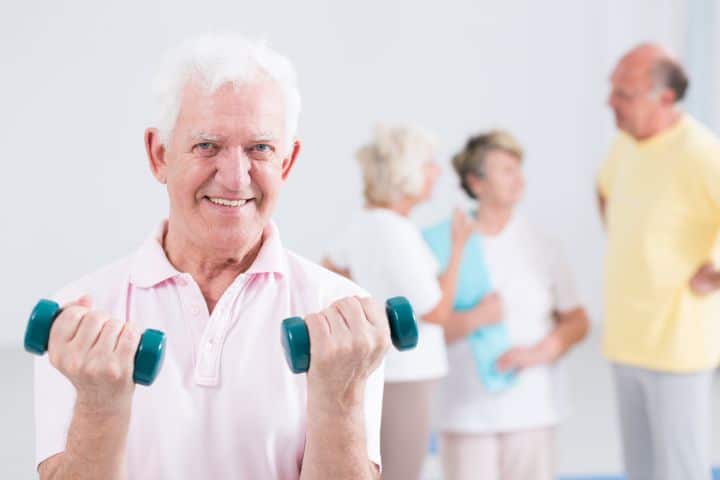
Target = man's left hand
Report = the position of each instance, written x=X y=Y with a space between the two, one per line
x=706 y=280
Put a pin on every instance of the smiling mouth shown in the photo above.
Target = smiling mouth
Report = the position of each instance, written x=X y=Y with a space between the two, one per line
x=229 y=203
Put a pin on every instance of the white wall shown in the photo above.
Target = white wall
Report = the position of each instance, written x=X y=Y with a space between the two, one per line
x=75 y=89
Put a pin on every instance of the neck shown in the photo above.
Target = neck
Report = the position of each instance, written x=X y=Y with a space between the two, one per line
x=212 y=269
x=492 y=219
x=661 y=122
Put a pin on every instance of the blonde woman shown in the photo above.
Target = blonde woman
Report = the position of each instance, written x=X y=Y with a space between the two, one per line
x=508 y=434
x=384 y=252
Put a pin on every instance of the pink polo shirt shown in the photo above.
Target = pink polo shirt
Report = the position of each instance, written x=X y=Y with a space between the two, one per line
x=225 y=405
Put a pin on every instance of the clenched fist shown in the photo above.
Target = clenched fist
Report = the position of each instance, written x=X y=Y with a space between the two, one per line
x=348 y=341
x=95 y=352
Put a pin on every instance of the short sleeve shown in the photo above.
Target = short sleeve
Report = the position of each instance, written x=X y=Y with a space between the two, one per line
x=564 y=289
x=413 y=271
x=606 y=174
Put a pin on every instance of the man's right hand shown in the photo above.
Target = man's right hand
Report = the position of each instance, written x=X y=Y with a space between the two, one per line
x=96 y=353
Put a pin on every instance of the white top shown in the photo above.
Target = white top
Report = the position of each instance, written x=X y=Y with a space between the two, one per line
x=528 y=272
x=386 y=254
x=225 y=404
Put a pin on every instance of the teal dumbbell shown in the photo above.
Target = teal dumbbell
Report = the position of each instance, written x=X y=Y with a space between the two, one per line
x=296 y=338
x=148 y=357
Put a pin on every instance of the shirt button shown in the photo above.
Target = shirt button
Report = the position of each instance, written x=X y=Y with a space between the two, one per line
x=181 y=282
x=195 y=310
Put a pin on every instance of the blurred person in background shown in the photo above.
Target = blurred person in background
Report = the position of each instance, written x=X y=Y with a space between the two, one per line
x=383 y=251
x=508 y=434
x=659 y=197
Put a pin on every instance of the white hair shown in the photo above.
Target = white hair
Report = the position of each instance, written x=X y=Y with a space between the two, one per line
x=214 y=60
x=392 y=163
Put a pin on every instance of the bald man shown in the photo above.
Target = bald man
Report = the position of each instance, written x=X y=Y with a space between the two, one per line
x=659 y=196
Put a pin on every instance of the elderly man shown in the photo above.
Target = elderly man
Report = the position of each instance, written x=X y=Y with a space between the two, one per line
x=216 y=278
x=659 y=193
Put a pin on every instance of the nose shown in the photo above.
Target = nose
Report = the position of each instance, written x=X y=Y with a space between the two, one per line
x=233 y=170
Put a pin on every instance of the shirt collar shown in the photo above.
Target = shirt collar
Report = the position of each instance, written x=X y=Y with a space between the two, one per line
x=151 y=265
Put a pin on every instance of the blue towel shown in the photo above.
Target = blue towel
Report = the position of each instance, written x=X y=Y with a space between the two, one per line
x=487 y=343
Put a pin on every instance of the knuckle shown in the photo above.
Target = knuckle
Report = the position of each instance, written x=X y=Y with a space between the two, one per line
x=383 y=339
x=344 y=348
x=312 y=320
x=130 y=332
x=114 y=372
x=113 y=325
x=72 y=364
x=362 y=345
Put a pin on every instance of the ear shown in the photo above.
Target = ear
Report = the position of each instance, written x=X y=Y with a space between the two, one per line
x=156 y=154
x=289 y=162
x=667 y=97
x=475 y=184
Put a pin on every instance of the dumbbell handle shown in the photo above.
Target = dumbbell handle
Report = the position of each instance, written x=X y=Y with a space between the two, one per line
x=148 y=357
x=296 y=338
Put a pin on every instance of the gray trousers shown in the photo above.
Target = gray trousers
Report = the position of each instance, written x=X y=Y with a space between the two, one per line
x=665 y=423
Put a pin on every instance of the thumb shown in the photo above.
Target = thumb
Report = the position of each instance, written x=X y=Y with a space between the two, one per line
x=84 y=301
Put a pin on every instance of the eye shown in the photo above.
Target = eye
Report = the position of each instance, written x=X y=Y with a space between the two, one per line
x=263 y=148
x=205 y=147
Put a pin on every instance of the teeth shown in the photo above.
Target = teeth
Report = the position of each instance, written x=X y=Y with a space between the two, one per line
x=227 y=203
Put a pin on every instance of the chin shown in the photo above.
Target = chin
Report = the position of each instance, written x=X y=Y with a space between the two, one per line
x=235 y=236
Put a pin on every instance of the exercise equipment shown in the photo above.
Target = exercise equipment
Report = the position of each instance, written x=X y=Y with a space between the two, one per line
x=296 y=339
x=148 y=357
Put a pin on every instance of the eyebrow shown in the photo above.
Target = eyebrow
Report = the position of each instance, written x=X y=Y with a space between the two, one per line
x=200 y=135
x=258 y=137
x=264 y=137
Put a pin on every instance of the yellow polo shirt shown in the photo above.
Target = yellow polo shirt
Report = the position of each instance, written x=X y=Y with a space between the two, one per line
x=663 y=221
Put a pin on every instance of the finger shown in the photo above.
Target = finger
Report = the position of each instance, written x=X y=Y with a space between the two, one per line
x=127 y=341
x=320 y=332
x=506 y=364
x=374 y=313
x=318 y=325
x=65 y=326
x=83 y=301
x=87 y=333
x=108 y=338
x=353 y=315
x=336 y=320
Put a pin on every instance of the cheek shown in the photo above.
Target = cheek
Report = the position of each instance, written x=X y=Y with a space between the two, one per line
x=267 y=179
x=185 y=182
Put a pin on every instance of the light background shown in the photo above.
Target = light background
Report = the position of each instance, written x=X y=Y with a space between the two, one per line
x=75 y=96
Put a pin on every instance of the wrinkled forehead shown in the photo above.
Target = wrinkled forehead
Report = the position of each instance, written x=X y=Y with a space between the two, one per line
x=256 y=108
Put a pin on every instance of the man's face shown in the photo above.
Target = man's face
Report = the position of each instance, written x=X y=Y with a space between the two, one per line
x=225 y=162
x=632 y=99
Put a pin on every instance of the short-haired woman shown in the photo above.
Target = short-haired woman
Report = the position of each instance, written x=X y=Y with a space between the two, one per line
x=383 y=251
x=508 y=435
